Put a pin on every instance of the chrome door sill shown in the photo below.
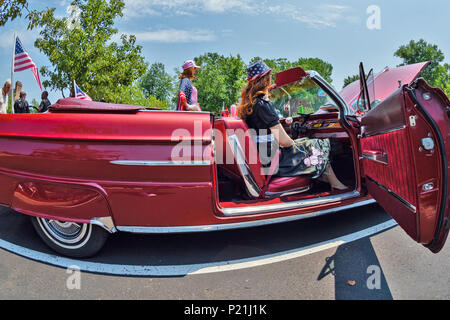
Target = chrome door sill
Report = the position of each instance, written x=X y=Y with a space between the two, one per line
x=233 y=212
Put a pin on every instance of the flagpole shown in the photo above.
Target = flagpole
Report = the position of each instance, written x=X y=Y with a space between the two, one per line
x=12 y=74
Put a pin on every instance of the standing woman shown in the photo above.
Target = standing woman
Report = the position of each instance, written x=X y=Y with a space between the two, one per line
x=307 y=157
x=188 y=95
x=4 y=97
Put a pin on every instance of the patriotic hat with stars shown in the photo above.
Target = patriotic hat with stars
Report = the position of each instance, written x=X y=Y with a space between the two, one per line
x=257 y=69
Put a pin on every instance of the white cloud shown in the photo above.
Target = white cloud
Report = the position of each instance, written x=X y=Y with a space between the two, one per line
x=175 y=36
x=315 y=16
x=26 y=37
x=136 y=8
x=322 y=16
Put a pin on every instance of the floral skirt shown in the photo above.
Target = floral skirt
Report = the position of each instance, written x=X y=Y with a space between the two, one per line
x=308 y=157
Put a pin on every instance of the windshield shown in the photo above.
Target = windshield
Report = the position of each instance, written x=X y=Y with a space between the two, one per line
x=301 y=97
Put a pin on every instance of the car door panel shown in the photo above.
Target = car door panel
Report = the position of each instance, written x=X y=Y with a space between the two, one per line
x=411 y=181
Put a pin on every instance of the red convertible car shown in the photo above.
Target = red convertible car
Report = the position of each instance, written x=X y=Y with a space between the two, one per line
x=86 y=169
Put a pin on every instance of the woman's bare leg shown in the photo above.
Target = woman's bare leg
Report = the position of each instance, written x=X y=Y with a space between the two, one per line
x=330 y=177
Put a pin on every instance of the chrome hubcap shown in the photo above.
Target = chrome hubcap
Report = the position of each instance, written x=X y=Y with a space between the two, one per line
x=65 y=232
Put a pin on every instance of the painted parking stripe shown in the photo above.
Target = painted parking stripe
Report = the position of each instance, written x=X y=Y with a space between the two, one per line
x=203 y=268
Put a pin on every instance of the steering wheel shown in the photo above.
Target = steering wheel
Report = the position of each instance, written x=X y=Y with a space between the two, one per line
x=298 y=128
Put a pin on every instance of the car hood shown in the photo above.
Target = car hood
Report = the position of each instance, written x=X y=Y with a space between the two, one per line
x=386 y=82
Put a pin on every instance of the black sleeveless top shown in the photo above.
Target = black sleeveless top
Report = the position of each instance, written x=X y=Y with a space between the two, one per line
x=260 y=121
x=264 y=115
x=308 y=157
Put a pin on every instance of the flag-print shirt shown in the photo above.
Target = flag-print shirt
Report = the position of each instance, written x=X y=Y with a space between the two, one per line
x=189 y=90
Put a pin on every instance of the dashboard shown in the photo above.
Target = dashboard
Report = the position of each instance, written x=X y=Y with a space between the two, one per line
x=323 y=124
x=316 y=127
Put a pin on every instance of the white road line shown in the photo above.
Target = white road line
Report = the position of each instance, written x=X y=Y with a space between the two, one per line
x=202 y=268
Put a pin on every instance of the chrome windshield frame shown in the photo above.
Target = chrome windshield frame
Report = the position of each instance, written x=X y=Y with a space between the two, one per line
x=344 y=109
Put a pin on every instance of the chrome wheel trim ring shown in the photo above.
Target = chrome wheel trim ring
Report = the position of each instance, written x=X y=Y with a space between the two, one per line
x=67 y=235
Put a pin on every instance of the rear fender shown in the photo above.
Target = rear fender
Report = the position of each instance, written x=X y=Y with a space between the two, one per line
x=64 y=202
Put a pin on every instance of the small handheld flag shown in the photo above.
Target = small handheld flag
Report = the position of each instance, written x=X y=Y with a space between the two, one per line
x=79 y=94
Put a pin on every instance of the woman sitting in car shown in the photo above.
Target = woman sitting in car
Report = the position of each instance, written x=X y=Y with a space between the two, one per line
x=308 y=157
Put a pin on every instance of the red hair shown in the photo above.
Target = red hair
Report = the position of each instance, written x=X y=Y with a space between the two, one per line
x=250 y=92
x=188 y=73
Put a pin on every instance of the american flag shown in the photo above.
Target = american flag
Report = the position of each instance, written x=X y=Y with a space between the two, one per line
x=79 y=94
x=23 y=61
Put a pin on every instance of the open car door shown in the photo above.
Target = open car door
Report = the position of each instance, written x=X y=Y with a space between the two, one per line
x=405 y=152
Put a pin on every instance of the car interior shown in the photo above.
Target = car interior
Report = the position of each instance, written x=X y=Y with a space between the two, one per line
x=305 y=111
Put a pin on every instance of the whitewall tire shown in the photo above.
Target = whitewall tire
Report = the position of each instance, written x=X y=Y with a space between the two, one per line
x=76 y=240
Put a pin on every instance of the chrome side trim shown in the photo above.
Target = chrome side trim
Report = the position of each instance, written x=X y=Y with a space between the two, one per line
x=240 y=225
x=105 y=223
x=382 y=132
x=160 y=163
x=233 y=212
x=392 y=193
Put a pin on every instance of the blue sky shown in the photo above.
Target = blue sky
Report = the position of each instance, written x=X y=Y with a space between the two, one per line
x=172 y=31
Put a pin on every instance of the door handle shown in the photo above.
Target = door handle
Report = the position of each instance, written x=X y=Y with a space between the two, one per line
x=377 y=156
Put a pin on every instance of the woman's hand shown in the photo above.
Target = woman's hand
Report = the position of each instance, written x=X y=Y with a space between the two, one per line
x=193 y=107
x=282 y=137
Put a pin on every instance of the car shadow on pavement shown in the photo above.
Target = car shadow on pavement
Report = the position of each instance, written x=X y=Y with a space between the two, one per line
x=357 y=272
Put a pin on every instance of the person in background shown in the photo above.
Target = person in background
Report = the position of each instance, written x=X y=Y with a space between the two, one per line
x=188 y=95
x=4 y=97
x=45 y=103
x=21 y=105
x=17 y=90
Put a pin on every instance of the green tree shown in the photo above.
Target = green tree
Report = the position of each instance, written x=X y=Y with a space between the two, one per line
x=134 y=95
x=437 y=73
x=85 y=52
x=324 y=68
x=12 y=9
x=34 y=103
x=157 y=83
x=443 y=81
x=350 y=79
x=219 y=81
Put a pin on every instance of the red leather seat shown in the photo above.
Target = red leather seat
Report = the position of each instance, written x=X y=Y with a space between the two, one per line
x=265 y=186
x=286 y=184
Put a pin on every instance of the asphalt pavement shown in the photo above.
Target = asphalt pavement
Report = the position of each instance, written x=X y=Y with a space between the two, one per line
x=309 y=259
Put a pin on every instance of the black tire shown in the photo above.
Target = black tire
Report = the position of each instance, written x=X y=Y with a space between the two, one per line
x=70 y=239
